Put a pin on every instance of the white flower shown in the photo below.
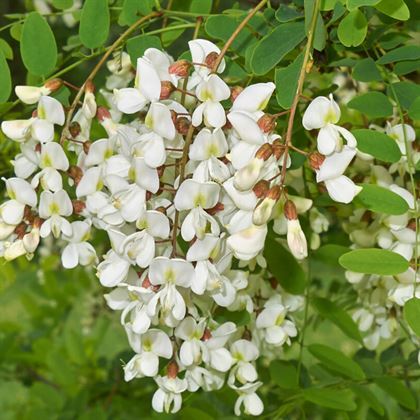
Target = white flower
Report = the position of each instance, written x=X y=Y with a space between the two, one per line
x=49 y=112
x=249 y=399
x=191 y=333
x=192 y=194
x=168 y=397
x=243 y=353
x=397 y=133
x=296 y=239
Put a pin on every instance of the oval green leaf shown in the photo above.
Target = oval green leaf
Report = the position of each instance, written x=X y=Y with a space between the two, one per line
x=366 y=71
x=5 y=79
x=396 y=9
x=273 y=47
x=94 y=23
x=373 y=104
x=37 y=45
x=381 y=200
x=352 y=29
x=408 y=52
x=374 y=261
x=412 y=314
x=341 y=400
x=377 y=144
x=335 y=360
x=397 y=390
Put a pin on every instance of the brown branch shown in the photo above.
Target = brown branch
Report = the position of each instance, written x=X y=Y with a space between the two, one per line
x=236 y=33
x=100 y=63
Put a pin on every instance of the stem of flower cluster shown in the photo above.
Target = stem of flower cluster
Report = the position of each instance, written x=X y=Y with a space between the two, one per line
x=299 y=89
x=101 y=62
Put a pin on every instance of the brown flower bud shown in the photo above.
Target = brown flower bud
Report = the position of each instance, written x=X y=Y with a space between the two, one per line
x=182 y=125
x=290 y=210
x=218 y=207
x=206 y=335
x=78 y=206
x=267 y=123
x=235 y=91
x=86 y=146
x=53 y=84
x=316 y=160
x=264 y=152
x=20 y=230
x=260 y=188
x=210 y=60
x=75 y=173
x=148 y=285
x=278 y=149
x=172 y=369
x=75 y=129
x=180 y=68
x=90 y=87
x=174 y=116
x=412 y=224
x=274 y=192
x=28 y=215
x=247 y=335
x=103 y=113
x=273 y=282
x=37 y=223
x=38 y=148
x=166 y=88
x=161 y=209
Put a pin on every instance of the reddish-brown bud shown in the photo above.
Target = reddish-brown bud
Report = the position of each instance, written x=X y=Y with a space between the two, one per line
x=103 y=113
x=38 y=148
x=174 y=116
x=75 y=173
x=264 y=152
x=149 y=194
x=274 y=192
x=75 y=129
x=278 y=149
x=235 y=91
x=218 y=207
x=53 y=84
x=90 y=87
x=180 y=68
x=37 y=222
x=316 y=160
x=261 y=188
x=20 y=230
x=290 y=210
x=172 y=370
x=161 y=209
x=28 y=215
x=412 y=224
x=267 y=123
x=206 y=335
x=182 y=125
x=148 y=285
x=86 y=146
x=166 y=88
x=78 y=206
x=210 y=59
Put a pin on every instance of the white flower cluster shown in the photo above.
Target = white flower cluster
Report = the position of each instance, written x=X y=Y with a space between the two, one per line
x=381 y=298
x=184 y=189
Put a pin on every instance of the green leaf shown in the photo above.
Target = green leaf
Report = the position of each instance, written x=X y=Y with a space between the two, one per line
x=374 y=261
x=408 y=52
x=377 y=144
x=396 y=9
x=320 y=35
x=404 y=67
x=170 y=37
x=352 y=29
x=293 y=280
x=341 y=400
x=94 y=23
x=201 y=6
x=7 y=49
x=286 y=82
x=354 y=4
x=397 y=390
x=137 y=45
x=414 y=110
x=273 y=47
x=412 y=314
x=335 y=360
x=366 y=71
x=16 y=31
x=37 y=46
x=338 y=316
x=62 y=4
x=286 y=13
x=191 y=413
x=406 y=92
x=366 y=394
x=284 y=374
x=373 y=104
x=381 y=200
x=5 y=79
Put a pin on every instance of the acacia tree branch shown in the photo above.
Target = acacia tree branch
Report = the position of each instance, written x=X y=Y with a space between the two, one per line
x=236 y=33
x=98 y=66
x=299 y=89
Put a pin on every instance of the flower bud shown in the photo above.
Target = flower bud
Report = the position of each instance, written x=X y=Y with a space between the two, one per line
x=290 y=210
x=75 y=129
x=53 y=84
x=28 y=215
x=20 y=230
x=75 y=173
x=37 y=223
x=166 y=88
x=210 y=59
x=278 y=149
x=316 y=160
x=412 y=224
x=261 y=188
x=31 y=240
x=14 y=250
x=264 y=209
x=78 y=206
x=206 y=335
x=296 y=239
x=267 y=123
x=103 y=113
x=86 y=146
x=90 y=87
x=264 y=152
x=148 y=285
x=180 y=68
x=172 y=370
x=235 y=91
x=182 y=125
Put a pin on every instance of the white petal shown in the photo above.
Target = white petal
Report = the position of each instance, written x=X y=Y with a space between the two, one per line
x=342 y=189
